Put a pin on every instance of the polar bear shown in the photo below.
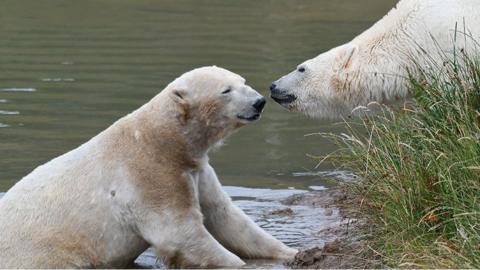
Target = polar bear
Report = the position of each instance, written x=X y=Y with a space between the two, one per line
x=374 y=66
x=144 y=181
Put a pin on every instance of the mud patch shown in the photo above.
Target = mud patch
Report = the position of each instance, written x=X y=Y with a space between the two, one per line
x=346 y=240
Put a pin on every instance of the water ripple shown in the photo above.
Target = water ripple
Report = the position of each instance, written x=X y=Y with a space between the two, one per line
x=9 y=112
x=18 y=90
x=58 y=80
x=318 y=188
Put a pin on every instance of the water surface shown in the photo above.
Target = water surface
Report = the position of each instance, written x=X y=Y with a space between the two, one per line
x=68 y=69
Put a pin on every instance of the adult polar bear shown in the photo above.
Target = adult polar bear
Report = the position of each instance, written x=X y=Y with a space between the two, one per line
x=374 y=65
x=143 y=181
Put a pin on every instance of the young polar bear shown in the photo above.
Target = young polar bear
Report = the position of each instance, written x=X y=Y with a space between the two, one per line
x=374 y=65
x=144 y=181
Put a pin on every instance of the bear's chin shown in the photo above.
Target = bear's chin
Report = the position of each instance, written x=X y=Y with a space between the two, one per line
x=250 y=118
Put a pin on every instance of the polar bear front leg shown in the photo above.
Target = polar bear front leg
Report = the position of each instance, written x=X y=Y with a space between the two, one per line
x=232 y=227
x=186 y=243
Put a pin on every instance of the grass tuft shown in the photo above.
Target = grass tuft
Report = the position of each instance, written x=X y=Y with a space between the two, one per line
x=420 y=170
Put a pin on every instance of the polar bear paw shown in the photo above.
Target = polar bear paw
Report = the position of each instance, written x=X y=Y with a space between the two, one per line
x=287 y=253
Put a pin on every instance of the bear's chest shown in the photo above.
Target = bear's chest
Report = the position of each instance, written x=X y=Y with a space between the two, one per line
x=195 y=181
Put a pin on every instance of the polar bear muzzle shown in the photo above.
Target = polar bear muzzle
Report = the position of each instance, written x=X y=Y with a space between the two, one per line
x=256 y=111
x=281 y=96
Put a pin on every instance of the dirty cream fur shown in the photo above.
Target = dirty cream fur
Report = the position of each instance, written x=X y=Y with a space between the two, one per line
x=144 y=181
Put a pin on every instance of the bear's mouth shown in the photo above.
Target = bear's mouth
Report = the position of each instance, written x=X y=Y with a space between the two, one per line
x=249 y=118
x=284 y=99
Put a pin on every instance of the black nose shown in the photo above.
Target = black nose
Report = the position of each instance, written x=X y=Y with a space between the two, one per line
x=259 y=104
x=273 y=86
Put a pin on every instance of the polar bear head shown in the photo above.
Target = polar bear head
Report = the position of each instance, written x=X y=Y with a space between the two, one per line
x=214 y=100
x=322 y=86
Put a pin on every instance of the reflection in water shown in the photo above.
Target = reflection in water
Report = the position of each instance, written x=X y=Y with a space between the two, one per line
x=71 y=68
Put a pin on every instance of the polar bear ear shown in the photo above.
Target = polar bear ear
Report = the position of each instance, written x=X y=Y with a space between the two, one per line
x=179 y=97
x=346 y=55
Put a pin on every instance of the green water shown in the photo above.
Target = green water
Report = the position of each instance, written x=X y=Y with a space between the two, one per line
x=92 y=61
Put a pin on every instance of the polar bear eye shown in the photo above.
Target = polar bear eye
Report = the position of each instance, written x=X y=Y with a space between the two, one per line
x=302 y=69
x=227 y=91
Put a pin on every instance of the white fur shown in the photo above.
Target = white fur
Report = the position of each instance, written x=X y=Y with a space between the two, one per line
x=231 y=227
x=64 y=197
x=145 y=181
x=374 y=66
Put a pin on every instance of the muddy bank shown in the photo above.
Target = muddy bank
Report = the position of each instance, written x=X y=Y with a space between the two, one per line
x=345 y=241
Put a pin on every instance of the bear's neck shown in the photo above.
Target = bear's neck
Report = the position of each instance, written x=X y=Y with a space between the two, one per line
x=201 y=135
x=391 y=51
x=163 y=131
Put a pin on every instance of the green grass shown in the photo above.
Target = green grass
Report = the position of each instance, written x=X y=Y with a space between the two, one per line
x=420 y=170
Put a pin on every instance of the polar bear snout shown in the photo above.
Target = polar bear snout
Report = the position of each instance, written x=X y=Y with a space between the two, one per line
x=281 y=96
x=253 y=112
